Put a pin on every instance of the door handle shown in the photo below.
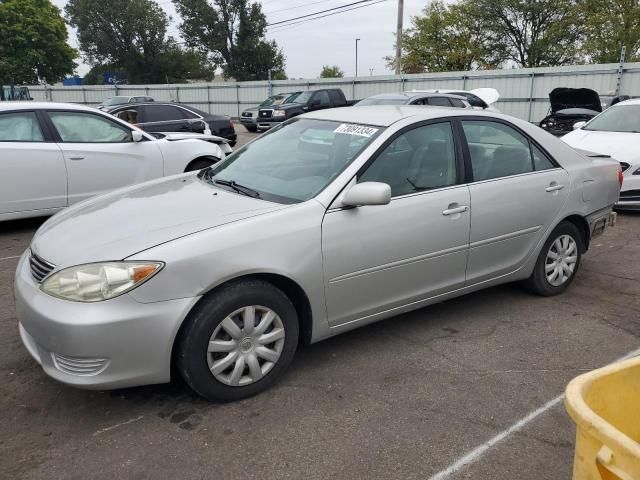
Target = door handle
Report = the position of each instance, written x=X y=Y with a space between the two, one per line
x=76 y=158
x=454 y=210
x=554 y=187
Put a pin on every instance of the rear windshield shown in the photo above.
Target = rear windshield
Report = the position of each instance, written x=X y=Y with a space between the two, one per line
x=621 y=118
x=116 y=101
x=382 y=101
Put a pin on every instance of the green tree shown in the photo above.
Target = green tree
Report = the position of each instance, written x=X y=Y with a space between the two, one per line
x=33 y=42
x=532 y=33
x=130 y=36
x=232 y=33
x=331 y=72
x=611 y=24
x=445 y=38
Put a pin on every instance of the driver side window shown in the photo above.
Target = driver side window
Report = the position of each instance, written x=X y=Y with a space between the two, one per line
x=80 y=127
x=323 y=98
x=421 y=159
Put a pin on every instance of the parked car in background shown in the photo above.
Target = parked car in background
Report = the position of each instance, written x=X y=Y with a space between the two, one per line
x=414 y=98
x=55 y=154
x=340 y=218
x=248 y=117
x=569 y=106
x=299 y=103
x=479 y=98
x=176 y=117
x=12 y=93
x=616 y=133
x=123 y=100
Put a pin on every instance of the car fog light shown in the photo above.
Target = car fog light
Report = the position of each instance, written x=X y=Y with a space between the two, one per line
x=95 y=282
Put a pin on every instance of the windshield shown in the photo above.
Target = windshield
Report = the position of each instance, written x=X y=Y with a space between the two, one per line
x=622 y=118
x=294 y=162
x=382 y=101
x=278 y=99
x=116 y=101
x=300 y=97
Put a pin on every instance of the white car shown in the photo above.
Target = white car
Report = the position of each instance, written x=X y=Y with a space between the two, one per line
x=479 y=98
x=616 y=133
x=56 y=154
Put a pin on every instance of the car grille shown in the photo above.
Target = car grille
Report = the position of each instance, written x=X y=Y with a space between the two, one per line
x=40 y=268
x=267 y=113
x=630 y=196
x=79 y=365
x=247 y=114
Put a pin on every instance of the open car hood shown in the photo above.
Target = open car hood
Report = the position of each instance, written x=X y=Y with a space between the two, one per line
x=562 y=98
x=487 y=95
x=223 y=143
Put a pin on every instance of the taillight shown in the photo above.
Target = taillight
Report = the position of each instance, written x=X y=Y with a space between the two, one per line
x=620 y=177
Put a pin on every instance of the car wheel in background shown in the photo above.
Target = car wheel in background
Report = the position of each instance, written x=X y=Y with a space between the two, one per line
x=200 y=163
x=558 y=261
x=251 y=128
x=237 y=341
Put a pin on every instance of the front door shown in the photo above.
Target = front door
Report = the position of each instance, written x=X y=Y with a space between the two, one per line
x=377 y=258
x=516 y=194
x=100 y=154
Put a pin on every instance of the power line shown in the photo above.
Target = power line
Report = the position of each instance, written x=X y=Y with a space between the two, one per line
x=295 y=24
x=297 y=6
x=316 y=13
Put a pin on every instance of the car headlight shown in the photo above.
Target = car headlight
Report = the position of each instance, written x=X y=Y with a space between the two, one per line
x=95 y=282
x=279 y=113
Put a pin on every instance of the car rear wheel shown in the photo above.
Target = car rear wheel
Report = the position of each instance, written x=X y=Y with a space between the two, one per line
x=558 y=261
x=238 y=341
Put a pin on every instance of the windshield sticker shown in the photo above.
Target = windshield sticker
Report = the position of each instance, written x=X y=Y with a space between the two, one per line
x=356 y=130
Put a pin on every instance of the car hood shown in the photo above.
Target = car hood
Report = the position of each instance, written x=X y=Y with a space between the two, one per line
x=487 y=95
x=122 y=223
x=562 y=98
x=621 y=146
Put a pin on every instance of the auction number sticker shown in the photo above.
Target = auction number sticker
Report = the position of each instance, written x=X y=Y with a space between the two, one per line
x=359 y=130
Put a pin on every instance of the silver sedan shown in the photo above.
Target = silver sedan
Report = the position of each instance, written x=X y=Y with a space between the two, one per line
x=331 y=221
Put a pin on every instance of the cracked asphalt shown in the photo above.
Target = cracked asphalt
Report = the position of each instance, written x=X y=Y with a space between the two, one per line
x=403 y=398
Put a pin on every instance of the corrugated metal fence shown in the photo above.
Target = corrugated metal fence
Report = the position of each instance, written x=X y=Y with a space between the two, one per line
x=524 y=92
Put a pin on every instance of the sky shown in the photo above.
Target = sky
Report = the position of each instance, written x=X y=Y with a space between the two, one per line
x=327 y=41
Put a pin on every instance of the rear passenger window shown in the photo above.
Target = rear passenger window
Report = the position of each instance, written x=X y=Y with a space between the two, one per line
x=420 y=159
x=439 y=102
x=20 y=127
x=497 y=150
x=457 y=102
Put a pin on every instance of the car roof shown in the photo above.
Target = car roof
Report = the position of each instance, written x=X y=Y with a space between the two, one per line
x=385 y=115
x=632 y=101
x=410 y=95
x=30 y=105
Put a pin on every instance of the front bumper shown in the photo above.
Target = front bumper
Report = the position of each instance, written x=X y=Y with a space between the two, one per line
x=266 y=124
x=630 y=192
x=112 y=344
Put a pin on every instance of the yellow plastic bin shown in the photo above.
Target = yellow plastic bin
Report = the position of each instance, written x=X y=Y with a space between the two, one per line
x=605 y=404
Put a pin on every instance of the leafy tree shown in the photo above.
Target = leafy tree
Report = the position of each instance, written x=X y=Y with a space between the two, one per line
x=232 y=33
x=610 y=24
x=33 y=42
x=130 y=36
x=532 y=33
x=445 y=38
x=331 y=72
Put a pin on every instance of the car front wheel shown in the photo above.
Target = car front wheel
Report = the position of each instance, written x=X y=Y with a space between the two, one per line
x=238 y=341
x=558 y=261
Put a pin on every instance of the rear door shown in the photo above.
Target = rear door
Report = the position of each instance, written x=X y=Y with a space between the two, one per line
x=32 y=170
x=100 y=154
x=516 y=194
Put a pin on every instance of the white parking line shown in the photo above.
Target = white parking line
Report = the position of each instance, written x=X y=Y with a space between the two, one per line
x=477 y=453
x=9 y=258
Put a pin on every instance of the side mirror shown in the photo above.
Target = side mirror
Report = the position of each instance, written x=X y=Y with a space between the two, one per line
x=367 y=193
x=136 y=136
x=578 y=125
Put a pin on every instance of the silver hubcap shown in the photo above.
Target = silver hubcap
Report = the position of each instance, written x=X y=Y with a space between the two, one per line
x=561 y=260
x=245 y=346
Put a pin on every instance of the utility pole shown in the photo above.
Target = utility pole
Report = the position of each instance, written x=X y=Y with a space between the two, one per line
x=371 y=71
x=399 y=36
x=357 y=40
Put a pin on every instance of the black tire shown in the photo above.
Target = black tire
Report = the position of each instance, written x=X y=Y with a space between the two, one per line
x=192 y=355
x=538 y=282
x=199 y=164
x=251 y=128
